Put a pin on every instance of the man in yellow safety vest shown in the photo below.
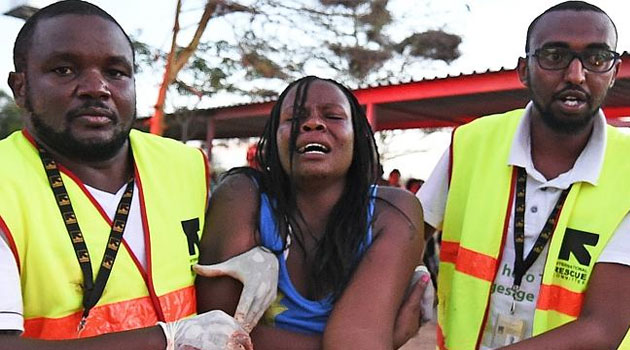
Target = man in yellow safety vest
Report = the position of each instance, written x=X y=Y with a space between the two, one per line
x=533 y=204
x=76 y=179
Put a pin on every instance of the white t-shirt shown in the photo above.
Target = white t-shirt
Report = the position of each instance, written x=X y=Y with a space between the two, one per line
x=540 y=197
x=10 y=291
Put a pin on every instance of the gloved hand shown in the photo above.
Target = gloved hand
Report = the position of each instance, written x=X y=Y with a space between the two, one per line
x=257 y=269
x=214 y=330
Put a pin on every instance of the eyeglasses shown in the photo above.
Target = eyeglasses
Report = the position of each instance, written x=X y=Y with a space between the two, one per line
x=594 y=60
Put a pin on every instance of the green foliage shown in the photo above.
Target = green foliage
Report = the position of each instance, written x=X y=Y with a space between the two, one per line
x=268 y=43
x=10 y=119
x=352 y=4
x=378 y=16
x=146 y=56
x=361 y=61
x=433 y=44
x=366 y=48
x=264 y=93
x=258 y=65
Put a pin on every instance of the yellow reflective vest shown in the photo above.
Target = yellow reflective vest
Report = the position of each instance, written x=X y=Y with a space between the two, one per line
x=476 y=219
x=172 y=184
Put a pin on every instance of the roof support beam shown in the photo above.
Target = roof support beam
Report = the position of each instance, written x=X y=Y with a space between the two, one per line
x=371 y=116
x=210 y=132
x=504 y=80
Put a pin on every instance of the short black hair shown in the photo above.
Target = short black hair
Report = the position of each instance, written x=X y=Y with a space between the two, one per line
x=61 y=8
x=572 y=6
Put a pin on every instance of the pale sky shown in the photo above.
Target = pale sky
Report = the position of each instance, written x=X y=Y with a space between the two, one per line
x=493 y=33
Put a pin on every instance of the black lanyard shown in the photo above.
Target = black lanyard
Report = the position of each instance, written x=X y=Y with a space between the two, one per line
x=92 y=290
x=521 y=266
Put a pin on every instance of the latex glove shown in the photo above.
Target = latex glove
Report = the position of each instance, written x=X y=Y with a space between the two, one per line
x=422 y=274
x=257 y=269
x=417 y=306
x=214 y=330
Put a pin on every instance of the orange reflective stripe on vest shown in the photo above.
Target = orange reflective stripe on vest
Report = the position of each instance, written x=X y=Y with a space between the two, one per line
x=469 y=262
x=105 y=319
x=560 y=299
x=477 y=213
x=448 y=251
x=172 y=189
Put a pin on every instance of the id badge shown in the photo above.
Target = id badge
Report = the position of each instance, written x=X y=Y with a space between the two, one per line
x=507 y=330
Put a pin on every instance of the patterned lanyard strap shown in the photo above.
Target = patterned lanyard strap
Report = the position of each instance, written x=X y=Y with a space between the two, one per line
x=92 y=290
x=522 y=265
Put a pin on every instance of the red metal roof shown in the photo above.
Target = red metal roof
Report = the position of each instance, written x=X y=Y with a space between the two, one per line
x=426 y=103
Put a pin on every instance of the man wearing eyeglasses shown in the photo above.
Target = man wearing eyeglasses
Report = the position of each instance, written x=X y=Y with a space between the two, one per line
x=534 y=203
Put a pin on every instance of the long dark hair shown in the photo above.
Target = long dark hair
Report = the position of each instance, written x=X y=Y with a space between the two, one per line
x=337 y=252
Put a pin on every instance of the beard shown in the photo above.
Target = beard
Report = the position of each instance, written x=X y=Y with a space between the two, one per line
x=67 y=144
x=565 y=125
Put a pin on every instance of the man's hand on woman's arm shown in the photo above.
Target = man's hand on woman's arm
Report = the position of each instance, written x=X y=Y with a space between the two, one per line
x=257 y=269
x=214 y=330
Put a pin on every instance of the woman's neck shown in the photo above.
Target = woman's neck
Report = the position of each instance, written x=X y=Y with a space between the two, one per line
x=316 y=203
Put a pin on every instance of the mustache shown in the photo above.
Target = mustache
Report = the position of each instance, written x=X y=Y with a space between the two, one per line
x=571 y=87
x=93 y=107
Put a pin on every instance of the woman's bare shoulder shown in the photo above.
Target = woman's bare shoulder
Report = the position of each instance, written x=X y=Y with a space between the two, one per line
x=239 y=186
x=395 y=205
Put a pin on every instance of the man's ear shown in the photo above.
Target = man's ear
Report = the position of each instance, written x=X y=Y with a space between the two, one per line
x=615 y=72
x=17 y=82
x=522 y=70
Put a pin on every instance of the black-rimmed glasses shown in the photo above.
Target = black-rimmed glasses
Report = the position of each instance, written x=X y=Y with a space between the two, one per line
x=594 y=60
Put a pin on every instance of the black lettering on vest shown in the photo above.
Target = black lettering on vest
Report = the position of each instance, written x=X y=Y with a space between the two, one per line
x=191 y=229
x=575 y=242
